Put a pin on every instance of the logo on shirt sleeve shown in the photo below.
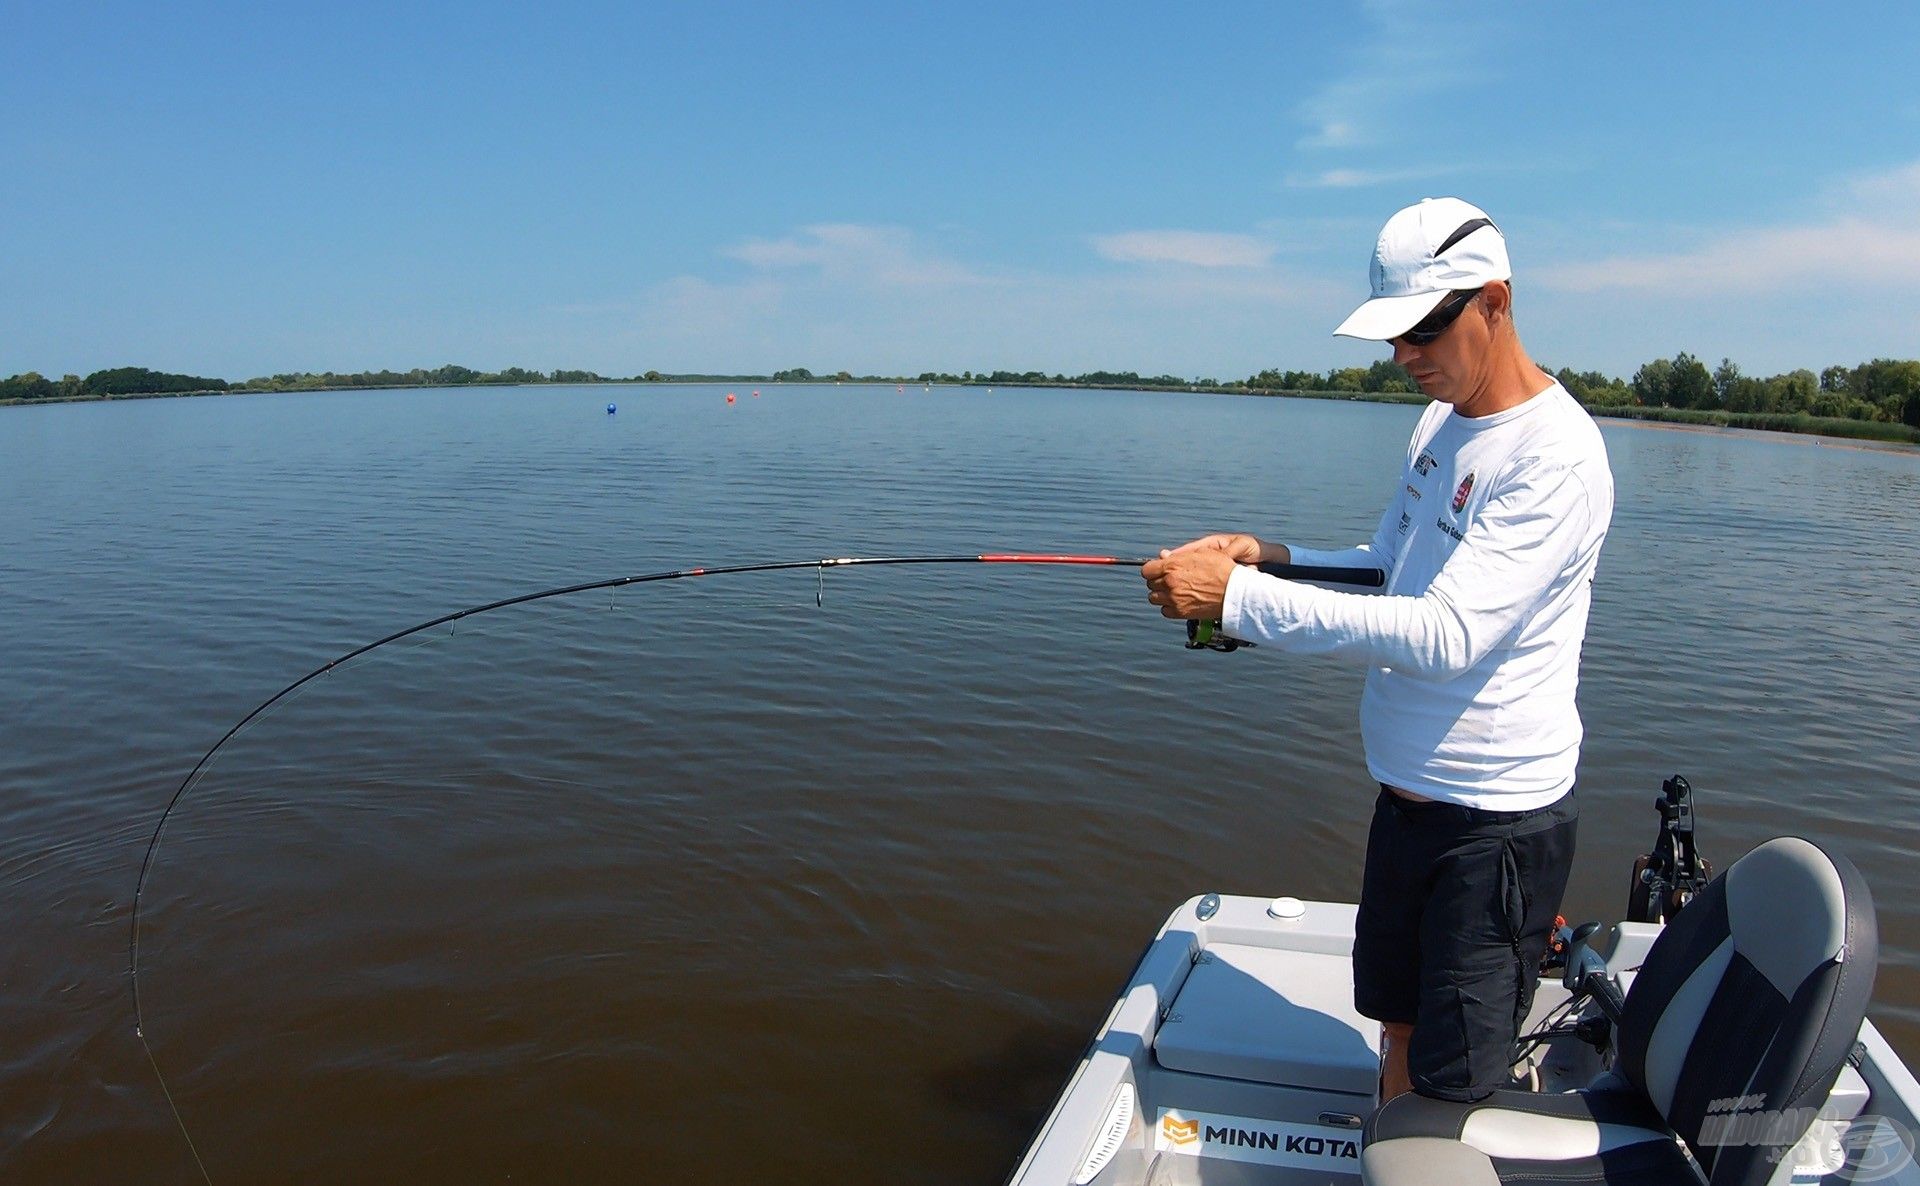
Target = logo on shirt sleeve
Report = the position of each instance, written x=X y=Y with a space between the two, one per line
x=1424 y=464
x=1460 y=495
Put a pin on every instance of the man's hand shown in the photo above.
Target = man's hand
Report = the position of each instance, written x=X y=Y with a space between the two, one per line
x=1191 y=582
x=1240 y=547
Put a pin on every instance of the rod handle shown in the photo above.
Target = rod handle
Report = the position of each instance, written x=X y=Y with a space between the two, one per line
x=1370 y=578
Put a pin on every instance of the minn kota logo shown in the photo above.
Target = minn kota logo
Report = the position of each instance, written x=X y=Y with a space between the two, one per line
x=1179 y=1132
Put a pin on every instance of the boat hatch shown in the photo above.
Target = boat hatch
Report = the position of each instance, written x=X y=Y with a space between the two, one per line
x=1271 y=1016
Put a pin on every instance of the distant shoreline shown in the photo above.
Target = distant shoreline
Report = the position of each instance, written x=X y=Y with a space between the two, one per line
x=1785 y=436
x=1815 y=429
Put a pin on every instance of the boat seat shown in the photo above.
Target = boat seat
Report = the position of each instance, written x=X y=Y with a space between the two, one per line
x=1524 y=1136
x=1748 y=1004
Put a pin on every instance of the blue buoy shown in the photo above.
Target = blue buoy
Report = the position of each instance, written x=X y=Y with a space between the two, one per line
x=611 y=409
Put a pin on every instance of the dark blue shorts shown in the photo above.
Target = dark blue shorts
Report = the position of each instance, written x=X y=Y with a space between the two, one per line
x=1456 y=908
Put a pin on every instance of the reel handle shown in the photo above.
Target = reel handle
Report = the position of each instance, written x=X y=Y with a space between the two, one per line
x=1206 y=636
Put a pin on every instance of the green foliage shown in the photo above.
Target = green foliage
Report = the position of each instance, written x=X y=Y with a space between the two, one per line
x=1738 y=392
x=1791 y=392
x=117 y=381
x=1595 y=389
x=31 y=385
x=141 y=381
x=1773 y=422
x=450 y=375
x=1347 y=379
x=1278 y=380
x=1386 y=376
x=1109 y=379
x=1031 y=377
x=1691 y=386
x=1651 y=383
x=1892 y=385
x=1682 y=382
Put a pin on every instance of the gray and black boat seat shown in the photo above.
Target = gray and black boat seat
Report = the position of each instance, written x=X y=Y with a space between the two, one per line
x=1748 y=1005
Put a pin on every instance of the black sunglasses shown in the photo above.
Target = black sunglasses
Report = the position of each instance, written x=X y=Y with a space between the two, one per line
x=1434 y=324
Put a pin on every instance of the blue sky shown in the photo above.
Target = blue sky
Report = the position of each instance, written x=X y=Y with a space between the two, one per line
x=236 y=189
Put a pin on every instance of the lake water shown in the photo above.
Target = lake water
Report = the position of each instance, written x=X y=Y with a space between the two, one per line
x=702 y=882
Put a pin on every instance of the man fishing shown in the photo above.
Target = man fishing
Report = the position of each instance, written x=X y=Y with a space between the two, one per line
x=1489 y=544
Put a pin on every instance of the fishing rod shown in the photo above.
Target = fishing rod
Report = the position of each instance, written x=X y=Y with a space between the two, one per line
x=1199 y=635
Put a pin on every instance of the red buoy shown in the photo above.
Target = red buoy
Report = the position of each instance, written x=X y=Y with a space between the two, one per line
x=729 y=397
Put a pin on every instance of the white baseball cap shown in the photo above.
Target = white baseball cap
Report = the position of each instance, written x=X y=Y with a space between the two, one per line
x=1434 y=247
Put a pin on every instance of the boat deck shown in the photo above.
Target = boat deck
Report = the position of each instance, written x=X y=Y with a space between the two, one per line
x=1234 y=1057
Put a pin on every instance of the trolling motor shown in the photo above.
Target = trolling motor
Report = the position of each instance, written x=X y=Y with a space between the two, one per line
x=1664 y=880
x=1667 y=878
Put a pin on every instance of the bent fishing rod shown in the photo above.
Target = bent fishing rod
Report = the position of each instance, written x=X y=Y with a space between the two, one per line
x=1199 y=635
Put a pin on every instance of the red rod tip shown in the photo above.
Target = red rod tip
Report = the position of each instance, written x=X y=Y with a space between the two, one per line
x=1046 y=558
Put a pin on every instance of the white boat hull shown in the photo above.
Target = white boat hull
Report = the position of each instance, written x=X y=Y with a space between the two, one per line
x=1234 y=1056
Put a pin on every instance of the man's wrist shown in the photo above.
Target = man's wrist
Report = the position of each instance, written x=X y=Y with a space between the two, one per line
x=1275 y=553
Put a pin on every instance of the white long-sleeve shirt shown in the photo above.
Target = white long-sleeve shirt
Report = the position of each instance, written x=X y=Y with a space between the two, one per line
x=1489 y=546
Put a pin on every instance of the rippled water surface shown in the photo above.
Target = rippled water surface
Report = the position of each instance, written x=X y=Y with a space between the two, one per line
x=704 y=882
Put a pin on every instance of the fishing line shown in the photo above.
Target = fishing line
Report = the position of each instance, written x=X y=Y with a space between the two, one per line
x=1350 y=576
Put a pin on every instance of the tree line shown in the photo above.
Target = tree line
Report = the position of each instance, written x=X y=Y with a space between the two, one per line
x=1042 y=379
x=1884 y=390
x=121 y=381
x=118 y=381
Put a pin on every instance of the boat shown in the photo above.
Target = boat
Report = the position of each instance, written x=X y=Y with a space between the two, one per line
x=1718 y=1034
